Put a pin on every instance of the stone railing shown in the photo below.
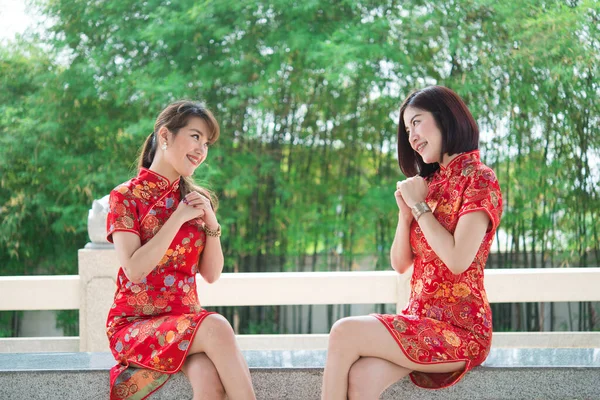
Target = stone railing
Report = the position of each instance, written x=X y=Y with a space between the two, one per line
x=93 y=289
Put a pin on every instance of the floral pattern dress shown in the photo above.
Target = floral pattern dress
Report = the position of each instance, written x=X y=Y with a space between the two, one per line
x=151 y=324
x=448 y=317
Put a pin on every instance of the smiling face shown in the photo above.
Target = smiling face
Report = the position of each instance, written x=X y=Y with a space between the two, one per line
x=424 y=135
x=188 y=148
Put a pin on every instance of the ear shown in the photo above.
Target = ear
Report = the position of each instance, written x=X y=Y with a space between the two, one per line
x=164 y=134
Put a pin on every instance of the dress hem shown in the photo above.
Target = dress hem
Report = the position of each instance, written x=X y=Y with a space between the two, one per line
x=466 y=368
x=173 y=372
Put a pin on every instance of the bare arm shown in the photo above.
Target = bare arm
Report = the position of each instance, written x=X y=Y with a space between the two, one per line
x=210 y=265
x=456 y=250
x=401 y=255
x=459 y=250
x=137 y=260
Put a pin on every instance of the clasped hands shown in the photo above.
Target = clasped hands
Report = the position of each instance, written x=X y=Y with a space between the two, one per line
x=196 y=205
x=410 y=192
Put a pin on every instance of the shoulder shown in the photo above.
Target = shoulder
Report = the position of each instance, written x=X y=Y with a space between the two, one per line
x=483 y=183
x=475 y=172
x=126 y=194
x=128 y=190
x=485 y=176
x=482 y=172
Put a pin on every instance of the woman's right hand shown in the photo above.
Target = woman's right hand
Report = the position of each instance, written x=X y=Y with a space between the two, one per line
x=404 y=211
x=187 y=212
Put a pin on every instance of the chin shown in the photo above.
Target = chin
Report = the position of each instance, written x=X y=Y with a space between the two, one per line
x=186 y=172
x=427 y=160
x=430 y=160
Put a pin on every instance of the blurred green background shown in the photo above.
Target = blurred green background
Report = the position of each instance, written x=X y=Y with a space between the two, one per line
x=307 y=94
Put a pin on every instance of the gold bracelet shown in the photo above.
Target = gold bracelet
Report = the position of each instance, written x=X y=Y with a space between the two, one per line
x=213 y=232
x=420 y=209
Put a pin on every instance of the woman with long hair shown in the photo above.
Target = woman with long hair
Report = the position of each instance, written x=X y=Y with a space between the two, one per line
x=165 y=230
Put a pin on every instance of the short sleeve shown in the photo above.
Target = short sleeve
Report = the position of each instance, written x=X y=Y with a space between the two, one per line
x=122 y=213
x=483 y=194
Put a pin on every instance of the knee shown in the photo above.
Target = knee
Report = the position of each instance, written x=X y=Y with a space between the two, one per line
x=340 y=333
x=218 y=329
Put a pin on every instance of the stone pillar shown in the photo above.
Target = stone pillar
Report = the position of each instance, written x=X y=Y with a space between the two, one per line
x=98 y=267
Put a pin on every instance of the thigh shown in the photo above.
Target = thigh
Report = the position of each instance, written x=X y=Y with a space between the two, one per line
x=368 y=337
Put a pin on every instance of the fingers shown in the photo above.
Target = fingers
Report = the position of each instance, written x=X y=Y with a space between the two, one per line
x=195 y=199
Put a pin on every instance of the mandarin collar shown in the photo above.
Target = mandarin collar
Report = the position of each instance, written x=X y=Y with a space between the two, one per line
x=161 y=182
x=458 y=163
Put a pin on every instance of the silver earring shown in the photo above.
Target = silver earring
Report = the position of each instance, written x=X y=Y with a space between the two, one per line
x=164 y=146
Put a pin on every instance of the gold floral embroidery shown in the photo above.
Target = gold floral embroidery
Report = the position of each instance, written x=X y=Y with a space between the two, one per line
x=419 y=286
x=448 y=317
x=151 y=323
x=461 y=290
x=452 y=338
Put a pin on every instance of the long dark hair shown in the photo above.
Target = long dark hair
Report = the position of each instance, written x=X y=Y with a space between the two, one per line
x=174 y=117
x=452 y=117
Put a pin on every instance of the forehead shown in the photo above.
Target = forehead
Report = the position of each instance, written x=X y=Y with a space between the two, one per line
x=410 y=112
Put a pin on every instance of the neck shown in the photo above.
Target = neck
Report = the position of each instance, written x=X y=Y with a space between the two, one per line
x=165 y=170
x=446 y=159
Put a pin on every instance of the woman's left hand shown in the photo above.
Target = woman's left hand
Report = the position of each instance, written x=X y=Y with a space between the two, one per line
x=414 y=190
x=202 y=202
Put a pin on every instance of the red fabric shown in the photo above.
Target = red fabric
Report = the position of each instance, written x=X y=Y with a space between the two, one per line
x=151 y=324
x=448 y=317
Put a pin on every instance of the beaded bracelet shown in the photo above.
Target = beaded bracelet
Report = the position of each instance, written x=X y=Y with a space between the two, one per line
x=213 y=232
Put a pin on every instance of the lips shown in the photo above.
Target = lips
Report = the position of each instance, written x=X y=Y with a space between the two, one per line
x=420 y=147
x=194 y=160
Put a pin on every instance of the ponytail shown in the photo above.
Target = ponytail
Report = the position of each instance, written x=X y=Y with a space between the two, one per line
x=148 y=151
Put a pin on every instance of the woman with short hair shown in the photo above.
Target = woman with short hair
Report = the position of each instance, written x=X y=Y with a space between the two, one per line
x=449 y=209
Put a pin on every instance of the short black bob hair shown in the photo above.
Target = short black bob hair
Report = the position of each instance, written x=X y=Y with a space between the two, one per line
x=458 y=127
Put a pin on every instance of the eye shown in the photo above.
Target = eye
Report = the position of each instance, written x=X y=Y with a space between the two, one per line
x=207 y=145
x=415 y=122
x=196 y=136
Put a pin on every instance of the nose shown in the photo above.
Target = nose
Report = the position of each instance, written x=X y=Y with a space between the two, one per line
x=412 y=136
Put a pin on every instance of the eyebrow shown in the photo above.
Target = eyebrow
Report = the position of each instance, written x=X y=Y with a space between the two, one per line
x=414 y=116
x=200 y=132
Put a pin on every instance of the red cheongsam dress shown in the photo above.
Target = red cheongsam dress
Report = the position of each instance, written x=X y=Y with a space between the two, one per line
x=151 y=324
x=448 y=317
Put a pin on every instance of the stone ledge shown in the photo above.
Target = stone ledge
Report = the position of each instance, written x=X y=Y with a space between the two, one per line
x=314 y=341
x=506 y=374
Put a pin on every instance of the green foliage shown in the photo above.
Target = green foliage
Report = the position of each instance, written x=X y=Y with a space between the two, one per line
x=307 y=96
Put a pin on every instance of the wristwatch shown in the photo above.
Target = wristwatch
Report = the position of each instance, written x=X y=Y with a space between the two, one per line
x=213 y=232
x=419 y=209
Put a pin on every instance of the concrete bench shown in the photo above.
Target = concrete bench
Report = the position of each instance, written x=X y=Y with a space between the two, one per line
x=518 y=373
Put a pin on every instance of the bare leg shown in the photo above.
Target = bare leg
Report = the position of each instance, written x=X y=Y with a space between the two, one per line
x=204 y=377
x=215 y=337
x=370 y=376
x=355 y=337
